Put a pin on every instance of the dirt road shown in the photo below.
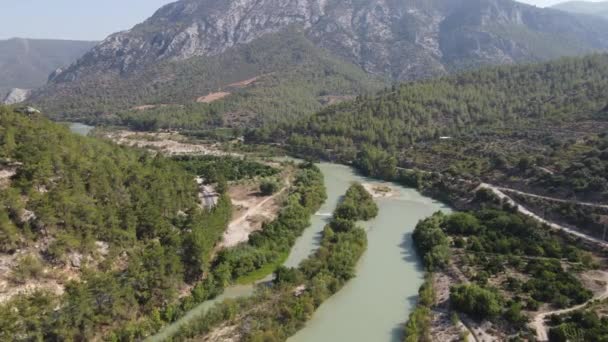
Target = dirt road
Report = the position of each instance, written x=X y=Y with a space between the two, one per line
x=239 y=229
x=552 y=199
x=538 y=323
x=498 y=192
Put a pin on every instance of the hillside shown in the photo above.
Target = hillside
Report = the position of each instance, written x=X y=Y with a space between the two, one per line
x=279 y=76
x=27 y=63
x=538 y=126
x=97 y=237
x=196 y=49
x=585 y=7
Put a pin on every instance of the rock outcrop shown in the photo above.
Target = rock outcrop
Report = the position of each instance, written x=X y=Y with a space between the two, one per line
x=170 y=53
x=16 y=95
x=399 y=39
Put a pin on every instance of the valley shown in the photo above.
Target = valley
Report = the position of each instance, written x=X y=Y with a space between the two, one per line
x=343 y=305
x=309 y=170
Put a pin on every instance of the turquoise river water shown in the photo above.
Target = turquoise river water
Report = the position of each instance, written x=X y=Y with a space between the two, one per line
x=374 y=305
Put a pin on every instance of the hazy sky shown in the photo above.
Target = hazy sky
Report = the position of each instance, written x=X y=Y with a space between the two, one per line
x=86 y=19
x=72 y=19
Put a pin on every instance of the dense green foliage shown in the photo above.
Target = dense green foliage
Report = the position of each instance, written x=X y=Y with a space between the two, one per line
x=274 y=241
x=583 y=325
x=357 y=205
x=193 y=116
x=85 y=193
x=275 y=314
x=562 y=90
x=502 y=233
x=493 y=243
x=418 y=326
x=214 y=169
x=476 y=301
x=504 y=123
x=269 y=187
x=432 y=242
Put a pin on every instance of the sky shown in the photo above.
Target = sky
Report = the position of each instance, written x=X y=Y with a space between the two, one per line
x=87 y=19
x=72 y=19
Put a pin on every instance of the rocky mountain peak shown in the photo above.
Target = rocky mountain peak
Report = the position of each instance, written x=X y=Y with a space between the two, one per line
x=375 y=34
x=391 y=39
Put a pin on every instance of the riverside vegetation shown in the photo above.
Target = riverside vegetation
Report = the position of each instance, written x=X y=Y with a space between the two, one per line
x=511 y=264
x=270 y=246
x=121 y=232
x=274 y=313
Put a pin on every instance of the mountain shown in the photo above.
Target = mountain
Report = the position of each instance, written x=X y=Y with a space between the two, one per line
x=192 y=49
x=584 y=7
x=27 y=63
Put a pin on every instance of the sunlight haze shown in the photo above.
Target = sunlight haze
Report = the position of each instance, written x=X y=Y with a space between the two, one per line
x=88 y=20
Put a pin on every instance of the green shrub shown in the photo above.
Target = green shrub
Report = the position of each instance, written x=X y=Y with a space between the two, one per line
x=269 y=187
x=29 y=267
x=476 y=301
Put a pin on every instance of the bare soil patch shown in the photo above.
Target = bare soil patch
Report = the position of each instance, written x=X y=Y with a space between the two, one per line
x=378 y=190
x=597 y=281
x=48 y=277
x=442 y=328
x=166 y=143
x=212 y=97
x=6 y=175
x=244 y=83
x=226 y=333
x=148 y=107
x=335 y=99
x=251 y=211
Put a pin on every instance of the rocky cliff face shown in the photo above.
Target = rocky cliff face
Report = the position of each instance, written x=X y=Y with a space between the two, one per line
x=402 y=39
x=16 y=95
x=190 y=47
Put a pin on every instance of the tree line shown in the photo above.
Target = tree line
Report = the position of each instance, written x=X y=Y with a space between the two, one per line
x=488 y=243
x=277 y=312
x=72 y=194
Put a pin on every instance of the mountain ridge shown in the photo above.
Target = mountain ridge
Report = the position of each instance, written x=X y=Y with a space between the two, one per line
x=389 y=39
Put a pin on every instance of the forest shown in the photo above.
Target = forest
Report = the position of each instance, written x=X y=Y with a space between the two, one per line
x=217 y=169
x=130 y=226
x=277 y=312
x=546 y=122
x=511 y=263
x=127 y=223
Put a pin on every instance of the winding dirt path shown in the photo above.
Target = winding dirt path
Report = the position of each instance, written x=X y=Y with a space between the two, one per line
x=538 y=323
x=552 y=199
x=498 y=192
x=239 y=230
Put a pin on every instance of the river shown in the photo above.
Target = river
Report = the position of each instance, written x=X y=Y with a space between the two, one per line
x=79 y=128
x=374 y=305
